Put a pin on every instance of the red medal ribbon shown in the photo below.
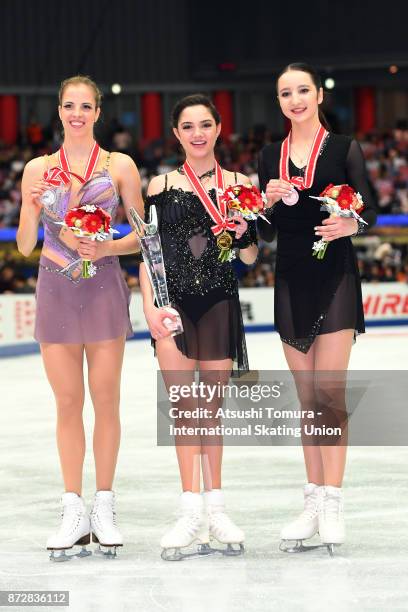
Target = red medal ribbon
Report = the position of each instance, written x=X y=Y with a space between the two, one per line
x=55 y=176
x=301 y=182
x=61 y=174
x=217 y=214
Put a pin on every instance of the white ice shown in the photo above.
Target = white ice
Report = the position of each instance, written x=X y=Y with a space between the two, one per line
x=263 y=488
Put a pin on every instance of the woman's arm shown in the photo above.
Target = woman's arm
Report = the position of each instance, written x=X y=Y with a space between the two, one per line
x=340 y=227
x=32 y=187
x=246 y=241
x=358 y=179
x=266 y=230
x=154 y=316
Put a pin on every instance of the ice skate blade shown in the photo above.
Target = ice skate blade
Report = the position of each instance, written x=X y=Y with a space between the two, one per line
x=60 y=556
x=230 y=551
x=298 y=547
x=331 y=548
x=203 y=550
x=108 y=552
x=105 y=550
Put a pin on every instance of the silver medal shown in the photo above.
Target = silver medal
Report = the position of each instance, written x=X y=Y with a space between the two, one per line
x=291 y=199
x=48 y=198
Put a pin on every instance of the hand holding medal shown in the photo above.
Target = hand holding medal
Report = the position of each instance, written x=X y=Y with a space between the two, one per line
x=61 y=175
x=276 y=190
x=37 y=192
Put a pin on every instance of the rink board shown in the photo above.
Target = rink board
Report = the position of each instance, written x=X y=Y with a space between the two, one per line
x=384 y=304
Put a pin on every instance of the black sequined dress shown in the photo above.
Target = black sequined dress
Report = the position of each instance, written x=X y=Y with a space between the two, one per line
x=201 y=288
x=315 y=296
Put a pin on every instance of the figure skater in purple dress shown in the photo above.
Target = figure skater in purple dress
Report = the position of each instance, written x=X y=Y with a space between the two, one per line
x=77 y=317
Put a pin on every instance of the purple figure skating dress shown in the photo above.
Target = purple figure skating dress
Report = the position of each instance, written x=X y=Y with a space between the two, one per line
x=71 y=309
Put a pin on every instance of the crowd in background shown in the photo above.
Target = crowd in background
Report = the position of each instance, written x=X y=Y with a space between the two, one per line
x=386 y=156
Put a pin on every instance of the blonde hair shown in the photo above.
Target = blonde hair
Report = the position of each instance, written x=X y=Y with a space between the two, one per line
x=80 y=79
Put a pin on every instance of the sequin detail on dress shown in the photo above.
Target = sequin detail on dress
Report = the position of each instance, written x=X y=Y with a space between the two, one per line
x=189 y=246
x=203 y=289
x=71 y=309
x=99 y=190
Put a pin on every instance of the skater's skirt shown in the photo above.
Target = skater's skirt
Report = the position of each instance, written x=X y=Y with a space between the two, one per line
x=91 y=310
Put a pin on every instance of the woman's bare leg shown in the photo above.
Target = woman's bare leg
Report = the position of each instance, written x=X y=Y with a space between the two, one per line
x=213 y=373
x=105 y=360
x=177 y=369
x=332 y=354
x=64 y=368
x=302 y=367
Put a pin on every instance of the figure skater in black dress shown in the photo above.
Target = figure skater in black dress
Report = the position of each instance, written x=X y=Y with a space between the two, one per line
x=204 y=290
x=318 y=302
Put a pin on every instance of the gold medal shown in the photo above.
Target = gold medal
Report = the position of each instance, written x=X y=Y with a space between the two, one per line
x=224 y=241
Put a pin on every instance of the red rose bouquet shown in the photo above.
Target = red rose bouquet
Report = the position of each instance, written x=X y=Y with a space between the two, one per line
x=245 y=199
x=91 y=222
x=339 y=201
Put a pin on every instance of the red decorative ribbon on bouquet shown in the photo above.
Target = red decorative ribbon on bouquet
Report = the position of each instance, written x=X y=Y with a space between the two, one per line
x=306 y=181
x=62 y=173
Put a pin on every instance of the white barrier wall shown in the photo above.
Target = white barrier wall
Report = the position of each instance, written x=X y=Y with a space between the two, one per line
x=384 y=304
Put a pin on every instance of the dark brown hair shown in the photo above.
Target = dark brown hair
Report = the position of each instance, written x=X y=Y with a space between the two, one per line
x=193 y=100
x=314 y=75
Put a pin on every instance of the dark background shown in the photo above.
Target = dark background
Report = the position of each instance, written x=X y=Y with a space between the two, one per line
x=164 y=41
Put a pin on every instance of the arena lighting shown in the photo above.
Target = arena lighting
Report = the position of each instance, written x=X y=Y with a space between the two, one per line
x=393 y=69
x=329 y=83
x=116 y=88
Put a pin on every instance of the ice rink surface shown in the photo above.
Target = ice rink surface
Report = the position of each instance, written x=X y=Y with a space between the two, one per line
x=263 y=489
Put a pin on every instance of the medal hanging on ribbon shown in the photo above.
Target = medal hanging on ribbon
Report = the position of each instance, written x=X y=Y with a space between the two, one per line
x=300 y=182
x=90 y=166
x=62 y=173
x=217 y=213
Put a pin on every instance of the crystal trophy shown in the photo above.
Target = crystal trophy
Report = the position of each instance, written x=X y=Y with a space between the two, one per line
x=153 y=258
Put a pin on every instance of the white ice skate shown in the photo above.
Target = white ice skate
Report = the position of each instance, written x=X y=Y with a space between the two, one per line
x=74 y=530
x=331 y=518
x=191 y=528
x=221 y=527
x=306 y=525
x=103 y=524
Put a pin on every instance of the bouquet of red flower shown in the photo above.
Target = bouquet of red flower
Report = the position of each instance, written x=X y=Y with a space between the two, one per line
x=92 y=222
x=245 y=199
x=339 y=201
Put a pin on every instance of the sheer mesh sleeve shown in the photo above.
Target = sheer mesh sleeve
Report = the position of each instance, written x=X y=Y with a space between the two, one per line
x=266 y=230
x=247 y=238
x=358 y=179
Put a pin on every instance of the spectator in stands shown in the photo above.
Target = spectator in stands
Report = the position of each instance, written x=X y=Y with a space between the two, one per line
x=7 y=278
x=35 y=134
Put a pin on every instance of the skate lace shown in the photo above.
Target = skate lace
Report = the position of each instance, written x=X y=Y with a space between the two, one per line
x=105 y=510
x=71 y=517
x=188 y=522
x=332 y=507
x=219 y=519
x=311 y=507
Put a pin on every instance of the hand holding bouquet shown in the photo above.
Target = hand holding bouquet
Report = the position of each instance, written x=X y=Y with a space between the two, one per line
x=339 y=201
x=240 y=203
x=92 y=222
